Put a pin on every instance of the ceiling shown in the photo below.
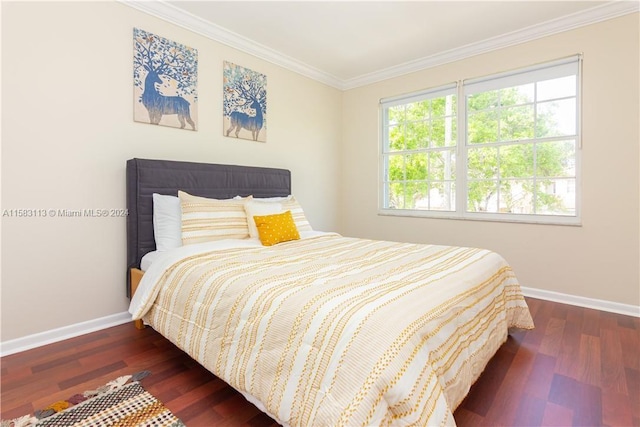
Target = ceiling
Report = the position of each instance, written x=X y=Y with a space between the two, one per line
x=350 y=43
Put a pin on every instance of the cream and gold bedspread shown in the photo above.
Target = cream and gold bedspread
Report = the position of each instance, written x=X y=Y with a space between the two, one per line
x=335 y=331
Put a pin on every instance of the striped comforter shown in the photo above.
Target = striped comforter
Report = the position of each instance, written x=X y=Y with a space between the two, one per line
x=335 y=331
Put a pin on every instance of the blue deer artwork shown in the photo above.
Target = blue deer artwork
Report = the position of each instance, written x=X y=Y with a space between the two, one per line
x=241 y=120
x=245 y=102
x=161 y=63
x=158 y=105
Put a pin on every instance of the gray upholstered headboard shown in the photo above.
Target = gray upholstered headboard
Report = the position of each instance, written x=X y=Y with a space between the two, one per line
x=145 y=177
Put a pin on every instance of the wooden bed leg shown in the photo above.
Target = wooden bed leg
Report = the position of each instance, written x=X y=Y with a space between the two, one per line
x=136 y=275
x=139 y=324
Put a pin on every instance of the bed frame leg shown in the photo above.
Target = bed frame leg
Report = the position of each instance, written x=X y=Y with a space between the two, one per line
x=136 y=275
x=139 y=324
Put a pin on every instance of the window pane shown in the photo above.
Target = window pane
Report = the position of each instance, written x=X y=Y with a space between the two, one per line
x=442 y=196
x=416 y=196
x=442 y=165
x=516 y=95
x=556 y=88
x=482 y=162
x=444 y=132
x=556 y=159
x=396 y=167
x=482 y=196
x=556 y=197
x=516 y=161
x=416 y=166
x=396 y=195
x=482 y=101
x=417 y=135
x=396 y=138
x=396 y=114
x=418 y=110
x=516 y=123
x=445 y=106
x=483 y=127
x=516 y=196
x=556 y=118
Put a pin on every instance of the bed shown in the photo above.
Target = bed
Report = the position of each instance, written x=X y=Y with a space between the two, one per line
x=323 y=329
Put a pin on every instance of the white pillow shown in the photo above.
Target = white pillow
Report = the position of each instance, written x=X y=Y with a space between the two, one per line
x=259 y=207
x=274 y=205
x=167 y=222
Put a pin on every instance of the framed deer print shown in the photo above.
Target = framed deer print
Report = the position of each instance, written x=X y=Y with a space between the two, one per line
x=165 y=78
x=245 y=103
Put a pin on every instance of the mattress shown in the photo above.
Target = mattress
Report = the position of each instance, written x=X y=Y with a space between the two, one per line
x=336 y=331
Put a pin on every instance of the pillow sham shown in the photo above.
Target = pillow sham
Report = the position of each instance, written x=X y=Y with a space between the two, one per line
x=259 y=207
x=276 y=228
x=167 y=222
x=298 y=214
x=205 y=220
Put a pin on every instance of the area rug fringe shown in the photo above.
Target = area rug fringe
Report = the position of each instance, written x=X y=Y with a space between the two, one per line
x=77 y=400
x=23 y=421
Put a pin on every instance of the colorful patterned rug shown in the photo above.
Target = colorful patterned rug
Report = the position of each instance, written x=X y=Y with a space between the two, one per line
x=122 y=402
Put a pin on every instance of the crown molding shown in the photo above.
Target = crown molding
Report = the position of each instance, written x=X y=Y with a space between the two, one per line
x=167 y=12
x=569 y=22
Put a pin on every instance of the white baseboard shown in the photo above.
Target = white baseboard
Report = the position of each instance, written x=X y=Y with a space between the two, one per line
x=66 y=332
x=598 y=304
x=47 y=337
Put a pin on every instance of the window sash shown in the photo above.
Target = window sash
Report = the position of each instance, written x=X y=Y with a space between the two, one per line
x=388 y=153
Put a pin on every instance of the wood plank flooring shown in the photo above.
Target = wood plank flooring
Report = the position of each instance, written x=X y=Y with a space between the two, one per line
x=579 y=367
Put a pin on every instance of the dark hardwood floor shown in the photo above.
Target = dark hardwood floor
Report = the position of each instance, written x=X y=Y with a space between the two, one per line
x=579 y=367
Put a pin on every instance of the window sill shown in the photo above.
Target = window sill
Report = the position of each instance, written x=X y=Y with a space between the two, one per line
x=485 y=217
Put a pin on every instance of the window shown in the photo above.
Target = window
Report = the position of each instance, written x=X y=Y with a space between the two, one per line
x=503 y=147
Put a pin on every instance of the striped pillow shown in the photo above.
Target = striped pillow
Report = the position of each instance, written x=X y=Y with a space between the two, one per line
x=298 y=214
x=205 y=220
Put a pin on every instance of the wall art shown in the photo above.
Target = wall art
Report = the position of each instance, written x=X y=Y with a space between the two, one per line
x=165 y=79
x=245 y=103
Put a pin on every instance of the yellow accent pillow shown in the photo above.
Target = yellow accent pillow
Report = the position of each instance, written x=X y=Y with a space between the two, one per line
x=276 y=228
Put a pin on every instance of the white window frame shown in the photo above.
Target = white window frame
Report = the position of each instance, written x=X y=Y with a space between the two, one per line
x=564 y=66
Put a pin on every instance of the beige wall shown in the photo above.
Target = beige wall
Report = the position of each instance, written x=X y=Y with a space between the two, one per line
x=67 y=130
x=600 y=259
